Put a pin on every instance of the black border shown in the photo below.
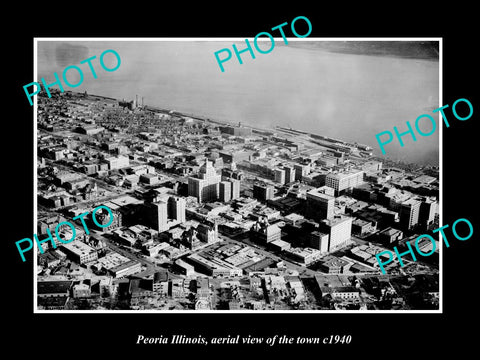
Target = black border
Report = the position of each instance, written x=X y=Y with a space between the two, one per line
x=115 y=334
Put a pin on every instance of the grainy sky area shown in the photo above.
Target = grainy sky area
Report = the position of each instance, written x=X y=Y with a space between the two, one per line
x=348 y=90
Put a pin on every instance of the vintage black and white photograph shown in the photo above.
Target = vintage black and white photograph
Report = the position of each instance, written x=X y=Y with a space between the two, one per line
x=207 y=175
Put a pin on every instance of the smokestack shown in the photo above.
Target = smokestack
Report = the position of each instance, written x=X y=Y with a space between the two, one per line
x=136 y=100
x=142 y=101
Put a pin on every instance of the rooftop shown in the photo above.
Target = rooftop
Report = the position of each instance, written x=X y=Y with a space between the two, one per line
x=332 y=261
x=79 y=248
x=337 y=219
x=125 y=265
x=319 y=193
x=53 y=287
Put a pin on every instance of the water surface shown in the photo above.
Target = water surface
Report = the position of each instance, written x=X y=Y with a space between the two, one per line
x=343 y=95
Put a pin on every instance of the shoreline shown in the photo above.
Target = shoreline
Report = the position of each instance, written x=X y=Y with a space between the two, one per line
x=283 y=129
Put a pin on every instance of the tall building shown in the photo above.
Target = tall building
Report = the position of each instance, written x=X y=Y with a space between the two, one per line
x=280 y=176
x=263 y=192
x=289 y=174
x=167 y=212
x=319 y=241
x=235 y=188
x=176 y=209
x=343 y=181
x=195 y=186
x=339 y=229
x=428 y=209
x=301 y=170
x=409 y=213
x=225 y=191
x=158 y=215
x=319 y=205
x=205 y=187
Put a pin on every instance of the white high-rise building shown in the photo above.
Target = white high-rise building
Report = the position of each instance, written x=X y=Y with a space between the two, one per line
x=409 y=213
x=289 y=174
x=225 y=191
x=167 y=212
x=339 y=229
x=280 y=176
x=301 y=170
x=176 y=209
x=235 y=188
x=205 y=187
x=343 y=181
x=160 y=215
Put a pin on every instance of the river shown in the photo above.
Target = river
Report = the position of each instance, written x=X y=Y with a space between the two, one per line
x=346 y=96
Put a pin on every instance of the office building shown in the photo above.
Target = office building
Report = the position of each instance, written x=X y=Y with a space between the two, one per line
x=319 y=241
x=301 y=171
x=339 y=229
x=225 y=191
x=176 y=209
x=80 y=252
x=289 y=174
x=149 y=179
x=409 y=213
x=362 y=227
x=319 y=205
x=195 y=187
x=315 y=179
x=158 y=215
x=165 y=213
x=298 y=233
x=235 y=186
x=344 y=181
x=263 y=192
x=117 y=162
x=428 y=209
x=280 y=176
x=205 y=187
